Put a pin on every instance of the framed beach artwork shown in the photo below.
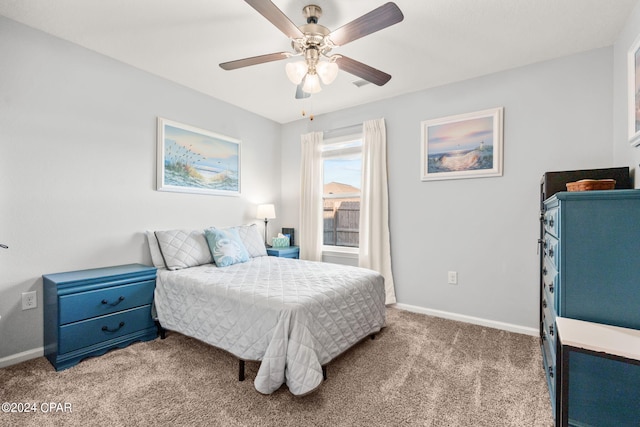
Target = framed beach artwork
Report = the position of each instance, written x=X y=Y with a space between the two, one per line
x=463 y=146
x=633 y=63
x=193 y=160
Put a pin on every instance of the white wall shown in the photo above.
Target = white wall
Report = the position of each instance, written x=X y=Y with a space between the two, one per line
x=623 y=152
x=557 y=117
x=77 y=167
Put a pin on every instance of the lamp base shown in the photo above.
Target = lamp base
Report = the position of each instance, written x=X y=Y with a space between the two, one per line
x=266 y=221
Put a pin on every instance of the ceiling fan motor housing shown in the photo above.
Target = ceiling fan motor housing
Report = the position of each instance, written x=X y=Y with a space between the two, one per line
x=312 y=12
x=315 y=35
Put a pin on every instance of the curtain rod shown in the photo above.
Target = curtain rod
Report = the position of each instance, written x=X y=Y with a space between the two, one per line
x=357 y=126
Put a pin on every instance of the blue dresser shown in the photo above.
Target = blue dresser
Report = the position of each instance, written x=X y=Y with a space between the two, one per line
x=591 y=272
x=89 y=312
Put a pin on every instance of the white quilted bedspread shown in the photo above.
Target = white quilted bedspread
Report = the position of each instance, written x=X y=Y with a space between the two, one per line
x=292 y=315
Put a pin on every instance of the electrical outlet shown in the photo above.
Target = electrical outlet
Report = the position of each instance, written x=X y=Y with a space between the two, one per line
x=453 y=278
x=29 y=300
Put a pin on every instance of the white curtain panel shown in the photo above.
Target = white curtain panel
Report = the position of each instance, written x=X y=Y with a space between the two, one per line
x=375 y=249
x=311 y=197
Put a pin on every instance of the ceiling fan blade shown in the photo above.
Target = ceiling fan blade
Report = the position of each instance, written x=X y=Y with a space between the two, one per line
x=376 y=20
x=254 y=60
x=363 y=71
x=274 y=15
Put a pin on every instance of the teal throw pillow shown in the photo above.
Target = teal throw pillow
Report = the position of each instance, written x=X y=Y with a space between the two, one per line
x=226 y=246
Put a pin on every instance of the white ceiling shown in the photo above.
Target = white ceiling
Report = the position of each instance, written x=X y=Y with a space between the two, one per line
x=439 y=42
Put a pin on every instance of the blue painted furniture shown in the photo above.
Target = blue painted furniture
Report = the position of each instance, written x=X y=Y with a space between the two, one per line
x=89 y=312
x=286 y=252
x=591 y=272
x=617 y=350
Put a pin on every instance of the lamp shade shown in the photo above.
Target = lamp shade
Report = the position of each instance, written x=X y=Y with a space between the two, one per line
x=267 y=211
x=311 y=84
x=296 y=71
x=328 y=71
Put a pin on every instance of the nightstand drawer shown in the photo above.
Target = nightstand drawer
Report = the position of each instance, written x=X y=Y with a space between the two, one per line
x=88 y=332
x=85 y=305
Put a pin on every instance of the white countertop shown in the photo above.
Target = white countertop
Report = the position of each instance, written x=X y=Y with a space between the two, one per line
x=598 y=337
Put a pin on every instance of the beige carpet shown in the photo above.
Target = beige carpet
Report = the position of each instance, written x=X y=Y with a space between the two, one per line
x=420 y=370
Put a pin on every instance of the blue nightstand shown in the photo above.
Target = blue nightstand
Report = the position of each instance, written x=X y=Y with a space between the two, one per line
x=286 y=252
x=89 y=312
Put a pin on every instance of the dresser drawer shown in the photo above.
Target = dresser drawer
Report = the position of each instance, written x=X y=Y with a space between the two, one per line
x=550 y=248
x=85 y=305
x=81 y=334
x=550 y=281
x=549 y=363
x=551 y=221
x=548 y=312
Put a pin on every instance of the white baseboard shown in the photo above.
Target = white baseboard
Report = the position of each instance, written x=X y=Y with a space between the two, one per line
x=469 y=319
x=21 y=357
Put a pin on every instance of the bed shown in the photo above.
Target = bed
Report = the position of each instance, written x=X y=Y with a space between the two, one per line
x=293 y=316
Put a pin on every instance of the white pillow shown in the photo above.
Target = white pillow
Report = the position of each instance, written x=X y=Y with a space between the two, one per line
x=252 y=240
x=154 y=249
x=183 y=248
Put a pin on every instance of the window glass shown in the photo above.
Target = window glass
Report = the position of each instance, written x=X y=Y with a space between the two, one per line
x=342 y=166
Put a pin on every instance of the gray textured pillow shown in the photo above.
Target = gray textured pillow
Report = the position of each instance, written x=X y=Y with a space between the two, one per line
x=154 y=250
x=251 y=239
x=183 y=248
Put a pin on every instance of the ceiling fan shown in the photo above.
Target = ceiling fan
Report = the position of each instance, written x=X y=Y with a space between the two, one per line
x=314 y=42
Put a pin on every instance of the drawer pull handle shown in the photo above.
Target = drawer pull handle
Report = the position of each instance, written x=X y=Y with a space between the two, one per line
x=544 y=271
x=550 y=252
x=106 y=328
x=544 y=285
x=544 y=303
x=551 y=330
x=104 y=301
x=551 y=371
x=551 y=222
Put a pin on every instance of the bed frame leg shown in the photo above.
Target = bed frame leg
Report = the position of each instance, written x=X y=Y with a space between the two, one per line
x=241 y=370
x=373 y=336
x=324 y=373
x=161 y=331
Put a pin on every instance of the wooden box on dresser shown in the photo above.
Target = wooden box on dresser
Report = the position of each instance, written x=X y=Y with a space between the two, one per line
x=89 y=312
x=591 y=271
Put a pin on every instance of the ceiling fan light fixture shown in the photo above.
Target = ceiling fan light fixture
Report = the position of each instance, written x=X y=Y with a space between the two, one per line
x=328 y=71
x=296 y=71
x=311 y=84
x=315 y=42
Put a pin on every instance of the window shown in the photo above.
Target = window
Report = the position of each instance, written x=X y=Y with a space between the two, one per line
x=342 y=166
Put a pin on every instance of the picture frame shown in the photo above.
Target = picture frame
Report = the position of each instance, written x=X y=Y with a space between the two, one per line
x=633 y=92
x=467 y=145
x=194 y=160
x=290 y=233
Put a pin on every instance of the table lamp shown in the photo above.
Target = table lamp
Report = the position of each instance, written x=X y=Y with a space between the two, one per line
x=266 y=212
